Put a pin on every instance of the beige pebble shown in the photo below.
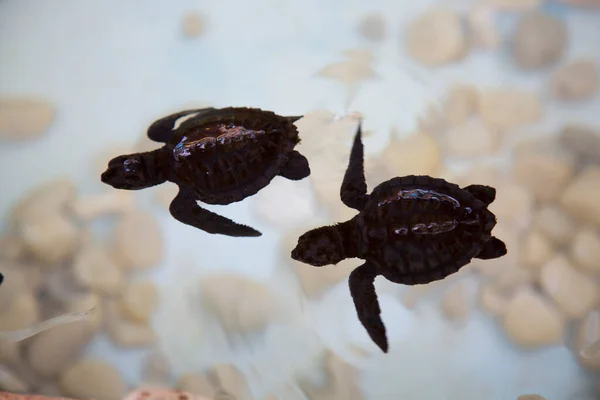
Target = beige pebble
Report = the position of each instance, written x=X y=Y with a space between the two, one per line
x=139 y=301
x=61 y=286
x=586 y=333
x=582 y=140
x=513 y=202
x=240 y=303
x=554 y=224
x=473 y=139
x=362 y=56
x=544 y=175
x=195 y=383
x=93 y=379
x=14 y=284
x=25 y=118
x=516 y=5
x=573 y=291
x=460 y=104
x=52 y=196
x=342 y=381
x=96 y=270
x=577 y=80
x=51 y=239
x=160 y=393
x=56 y=349
x=540 y=40
x=320 y=130
x=10 y=382
x=124 y=333
x=480 y=174
x=84 y=302
x=108 y=203
x=348 y=72
x=22 y=313
x=193 y=24
x=138 y=241
x=372 y=27
x=418 y=154
x=585 y=250
x=483 y=31
x=536 y=250
x=532 y=321
x=531 y=397
x=156 y=369
x=165 y=193
x=581 y=198
x=503 y=109
x=231 y=379
x=513 y=277
x=456 y=302
x=12 y=248
x=492 y=300
x=436 y=37
x=9 y=352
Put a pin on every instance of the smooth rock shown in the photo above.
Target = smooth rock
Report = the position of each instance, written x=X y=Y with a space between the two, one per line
x=531 y=321
x=575 y=293
x=577 y=80
x=93 y=379
x=539 y=40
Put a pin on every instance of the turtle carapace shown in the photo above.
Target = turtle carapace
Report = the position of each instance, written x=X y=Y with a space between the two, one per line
x=412 y=230
x=217 y=156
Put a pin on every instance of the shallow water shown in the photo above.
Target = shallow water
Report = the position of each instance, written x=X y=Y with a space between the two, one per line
x=112 y=67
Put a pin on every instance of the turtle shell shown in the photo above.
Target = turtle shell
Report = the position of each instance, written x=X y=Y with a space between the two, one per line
x=228 y=154
x=419 y=229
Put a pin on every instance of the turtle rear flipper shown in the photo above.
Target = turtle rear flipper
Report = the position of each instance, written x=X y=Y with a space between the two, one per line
x=362 y=289
x=162 y=130
x=296 y=168
x=486 y=194
x=186 y=210
x=493 y=248
x=354 y=186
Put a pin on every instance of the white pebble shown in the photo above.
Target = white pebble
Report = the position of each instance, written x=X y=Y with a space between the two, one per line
x=108 y=203
x=573 y=291
x=436 y=37
x=24 y=118
x=585 y=250
x=577 y=80
x=138 y=241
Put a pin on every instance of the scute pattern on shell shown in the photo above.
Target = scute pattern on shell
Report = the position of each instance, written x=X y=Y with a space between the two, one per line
x=243 y=150
x=422 y=258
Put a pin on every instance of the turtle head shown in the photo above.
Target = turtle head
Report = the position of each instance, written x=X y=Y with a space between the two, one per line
x=319 y=247
x=132 y=172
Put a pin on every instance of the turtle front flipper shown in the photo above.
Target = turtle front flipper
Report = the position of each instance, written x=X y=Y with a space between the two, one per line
x=493 y=248
x=486 y=194
x=185 y=209
x=362 y=289
x=162 y=130
x=296 y=168
x=354 y=186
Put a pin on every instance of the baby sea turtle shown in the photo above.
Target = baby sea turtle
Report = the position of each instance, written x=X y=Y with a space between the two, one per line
x=412 y=230
x=218 y=156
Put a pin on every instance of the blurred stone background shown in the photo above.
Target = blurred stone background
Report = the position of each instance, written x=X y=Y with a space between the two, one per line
x=497 y=92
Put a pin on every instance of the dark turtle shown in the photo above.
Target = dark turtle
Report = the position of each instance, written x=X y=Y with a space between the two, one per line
x=412 y=230
x=218 y=156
